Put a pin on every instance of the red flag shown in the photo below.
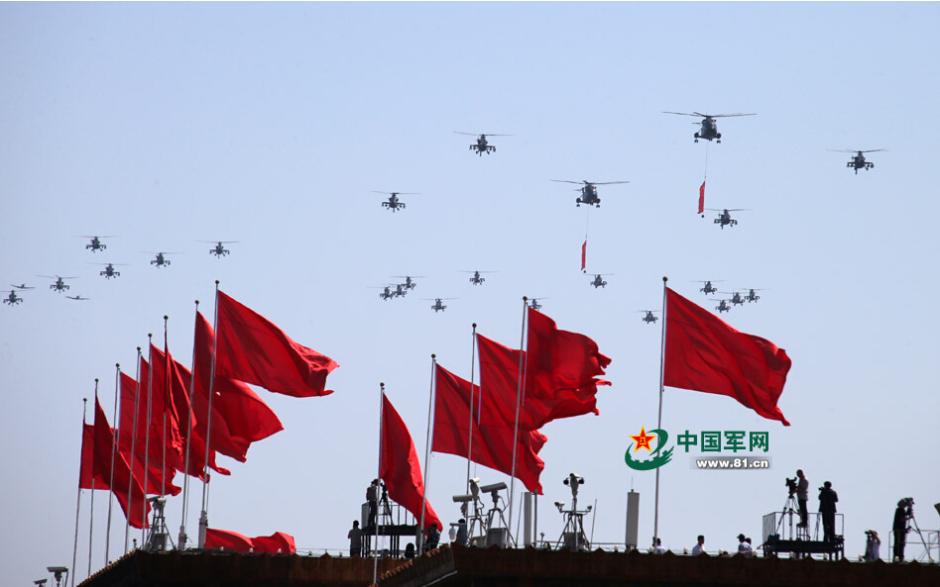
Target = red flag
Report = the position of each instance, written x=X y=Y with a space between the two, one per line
x=492 y=441
x=399 y=466
x=228 y=540
x=562 y=367
x=277 y=543
x=87 y=470
x=583 y=255
x=154 y=471
x=253 y=349
x=103 y=457
x=704 y=353
x=239 y=416
x=173 y=396
x=701 y=198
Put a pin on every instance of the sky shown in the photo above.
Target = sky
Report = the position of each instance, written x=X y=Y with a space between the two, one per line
x=170 y=124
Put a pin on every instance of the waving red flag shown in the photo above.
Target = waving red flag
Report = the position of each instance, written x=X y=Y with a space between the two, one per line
x=701 y=198
x=492 y=441
x=562 y=367
x=87 y=472
x=277 y=543
x=583 y=255
x=103 y=458
x=133 y=399
x=399 y=466
x=253 y=349
x=239 y=416
x=704 y=353
x=228 y=540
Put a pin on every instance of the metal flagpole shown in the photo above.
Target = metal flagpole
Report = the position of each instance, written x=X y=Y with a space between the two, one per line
x=473 y=360
x=78 y=502
x=147 y=430
x=115 y=438
x=133 y=456
x=427 y=451
x=520 y=376
x=166 y=403
x=204 y=514
x=91 y=512
x=375 y=551
x=659 y=417
x=181 y=541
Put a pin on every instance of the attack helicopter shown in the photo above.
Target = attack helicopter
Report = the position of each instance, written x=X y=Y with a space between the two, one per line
x=96 y=245
x=736 y=299
x=477 y=277
x=109 y=271
x=588 y=190
x=438 y=305
x=12 y=299
x=482 y=145
x=409 y=283
x=722 y=305
x=649 y=317
x=724 y=216
x=534 y=303
x=160 y=260
x=708 y=288
x=59 y=285
x=393 y=202
x=218 y=250
x=709 y=126
x=752 y=295
x=858 y=160
x=598 y=280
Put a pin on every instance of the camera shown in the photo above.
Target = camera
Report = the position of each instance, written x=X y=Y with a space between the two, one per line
x=906 y=502
x=791 y=485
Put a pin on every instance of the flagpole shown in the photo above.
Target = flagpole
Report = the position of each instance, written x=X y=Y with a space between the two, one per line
x=181 y=540
x=78 y=501
x=204 y=514
x=133 y=456
x=91 y=513
x=143 y=506
x=427 y=451
x=115 y=438
x=375 y=551
x=473 y=360
x=520 y=376
x=659 y=417
x=166 y=398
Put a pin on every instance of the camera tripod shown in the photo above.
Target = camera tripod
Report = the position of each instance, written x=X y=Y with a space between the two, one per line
x=916 y=528
x=790 y=506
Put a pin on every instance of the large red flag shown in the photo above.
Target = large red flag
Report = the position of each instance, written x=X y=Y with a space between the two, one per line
x=154 y=470
x=87 y=472
x=239 y=416
x=399 y=466
x=173 y=393
x=562 y=367
x=228 y=540
x=701 y=198
x=253 y=349
x=277 y=543
x=583 y=255
x=132 y=445
x=704 y=353
x=492 y=441
x=122 y=476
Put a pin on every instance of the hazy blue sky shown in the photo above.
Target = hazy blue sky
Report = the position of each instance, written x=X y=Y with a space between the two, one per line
x=271 y=124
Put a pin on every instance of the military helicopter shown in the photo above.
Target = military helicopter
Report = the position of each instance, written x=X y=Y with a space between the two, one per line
x=59 y=284
x=736 y=299
x=649 y=318
x=588 y=190
x=858 y=160
x=709 y=130
x=534 y=303
x=386 y=293
x=109 y=271
x=410 y=282
x=218 y=250
x=752 y=295
x=394 y=203
x=724 y=217
x=722 y=305
x=21 y=286
x=160 y=260
x=482 y=145
x=96 y=245
x=477 y=277
x=708 y=288
x=79 y=298
x=598 y=281
x=438 y=305
x=12 y=299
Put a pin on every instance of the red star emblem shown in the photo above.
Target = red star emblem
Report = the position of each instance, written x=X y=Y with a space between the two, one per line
x=642 y=440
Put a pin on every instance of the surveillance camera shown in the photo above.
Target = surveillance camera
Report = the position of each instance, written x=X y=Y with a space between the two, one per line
x=493 y=487
x=40 y=582
x=57 y=571
x=463 y=498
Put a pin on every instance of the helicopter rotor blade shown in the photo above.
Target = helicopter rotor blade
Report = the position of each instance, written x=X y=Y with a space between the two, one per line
x=608 y=182
x=567 y=181
x=684 y=113
x=731 y=115
x=98 y=236
x=873 y=150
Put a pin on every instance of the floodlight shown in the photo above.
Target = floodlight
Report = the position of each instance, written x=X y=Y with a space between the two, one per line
x=493 y=487
x=40 y=582
x=463 y=498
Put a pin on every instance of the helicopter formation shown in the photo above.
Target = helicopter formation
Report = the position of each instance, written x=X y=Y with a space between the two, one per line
x=95 y=244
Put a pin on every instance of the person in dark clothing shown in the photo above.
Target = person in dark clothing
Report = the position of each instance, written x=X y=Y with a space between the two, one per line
x=372 y=497
x=900 y=531
x=355 y=540
x=434 y=537
x=802 y=489
x=827 y=507
x=410 y=550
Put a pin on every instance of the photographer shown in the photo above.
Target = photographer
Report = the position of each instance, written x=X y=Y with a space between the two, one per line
x=872 y=546
x=827 y=507
x=802 y=489
x=900 y=530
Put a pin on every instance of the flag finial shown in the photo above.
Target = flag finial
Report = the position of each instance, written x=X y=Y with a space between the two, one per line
x=665 y=279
